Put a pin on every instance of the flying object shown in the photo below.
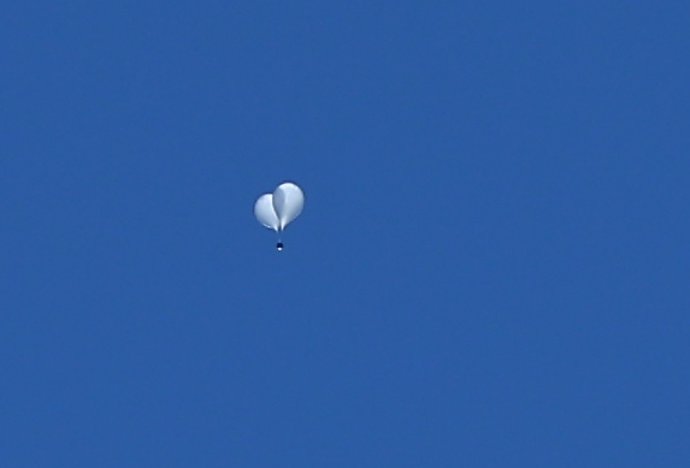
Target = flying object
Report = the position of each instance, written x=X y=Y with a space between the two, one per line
x=278 y=209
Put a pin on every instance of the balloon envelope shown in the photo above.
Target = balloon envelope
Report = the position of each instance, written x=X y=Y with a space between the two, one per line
x=288 y=201
x=278 y=209
x=264 y=212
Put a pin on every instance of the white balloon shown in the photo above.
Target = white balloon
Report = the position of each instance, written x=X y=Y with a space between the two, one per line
x=264 y=212
x=288 y=201
x=278 y=209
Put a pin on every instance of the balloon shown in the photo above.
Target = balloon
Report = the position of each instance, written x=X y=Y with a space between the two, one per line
x=277 y=210
x=264 y=212
x=288 y=201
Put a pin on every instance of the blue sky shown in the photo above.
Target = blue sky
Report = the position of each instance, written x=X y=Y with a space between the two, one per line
x=491 y=269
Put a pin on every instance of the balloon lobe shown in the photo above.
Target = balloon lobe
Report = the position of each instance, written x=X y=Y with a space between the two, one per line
x=265 y=213
x=288 y=202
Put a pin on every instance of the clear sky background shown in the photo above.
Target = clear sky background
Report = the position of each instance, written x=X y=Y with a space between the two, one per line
x=491 y=270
